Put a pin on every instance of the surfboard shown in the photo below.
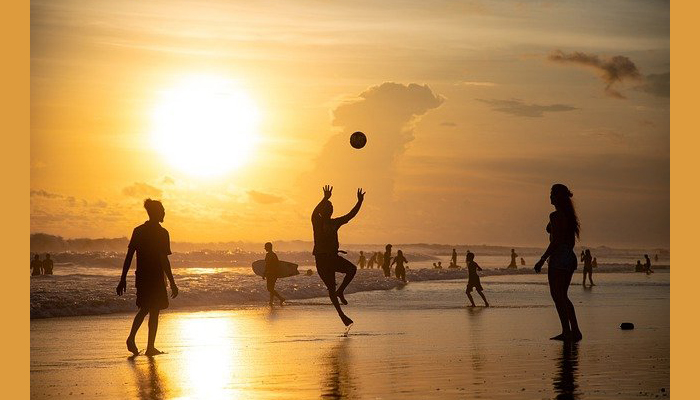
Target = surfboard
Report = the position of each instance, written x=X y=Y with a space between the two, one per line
x=285 y=269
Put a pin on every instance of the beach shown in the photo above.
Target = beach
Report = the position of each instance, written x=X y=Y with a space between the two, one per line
x=413 y=341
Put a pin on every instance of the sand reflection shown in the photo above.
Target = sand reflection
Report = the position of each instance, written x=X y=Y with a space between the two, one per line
x=338 y=382
x=565 y=385
x=149 y=381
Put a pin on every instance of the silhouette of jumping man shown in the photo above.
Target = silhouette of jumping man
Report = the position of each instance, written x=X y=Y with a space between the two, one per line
x=453 y=260
x=326 y=246
x=361 y=262
x=400 y=270
x=474 y=281
x=587 y=260
x=647 y=264
x=36 y=265
x=563 y=229
x=513 y=256
x=47 y=265
x=271 y=273
x=151 y=243
x=386 y=261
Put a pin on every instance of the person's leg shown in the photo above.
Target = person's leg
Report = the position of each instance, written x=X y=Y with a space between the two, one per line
x=327 y=275
x=152 y=330
x=590 y=278
x=554 y=278
x=481 y=293
x=584 y=277
x=569 y=306
x=349 y=269
x=469 y=296
x=131 y=340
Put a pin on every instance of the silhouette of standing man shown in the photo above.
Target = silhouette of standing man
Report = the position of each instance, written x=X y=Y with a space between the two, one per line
x=151 y=243
x=326 y=246
x=47 y=265
x=36 y=265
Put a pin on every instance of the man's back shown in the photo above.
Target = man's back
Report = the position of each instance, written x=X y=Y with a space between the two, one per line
x=151 y=241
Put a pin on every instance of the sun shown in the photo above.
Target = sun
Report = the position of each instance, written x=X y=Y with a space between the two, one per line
x=205 y=125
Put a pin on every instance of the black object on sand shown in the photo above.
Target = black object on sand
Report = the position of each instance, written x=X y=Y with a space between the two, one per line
x=626 y=326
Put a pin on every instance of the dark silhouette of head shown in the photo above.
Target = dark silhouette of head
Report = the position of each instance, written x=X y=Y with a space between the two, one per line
x=439 y=262
x=646 y=256
x=268 y=246
x=36 y=256
x=470 y=256
x=512 y=250
x=588 y=252
x=388 y=247
x=399 y=253
x=48 y=256
x=326 y=209
x=155 y=210
x=560 y=196
x=361 y=253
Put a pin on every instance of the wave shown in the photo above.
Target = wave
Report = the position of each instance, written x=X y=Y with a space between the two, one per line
x=85 y=294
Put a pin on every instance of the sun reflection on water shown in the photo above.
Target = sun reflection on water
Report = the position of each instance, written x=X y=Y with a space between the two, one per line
x=212 y=362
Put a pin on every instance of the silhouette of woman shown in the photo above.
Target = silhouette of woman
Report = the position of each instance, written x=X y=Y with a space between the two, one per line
x=453 y=260
x=513 y=256
x=563 y=229
x=361 y=262
x=400 y=270
x=587 y=266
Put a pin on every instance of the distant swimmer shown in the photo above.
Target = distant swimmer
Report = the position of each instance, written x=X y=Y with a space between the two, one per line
x=474 y=281
x=587 y=260
x=594 y=263
x=47 y=265
x=372 y=260
x=271 y=273
x=326 y=247
x=513 y=256
x=386 y=261
x=361 y=262
x=639 y=267
x=563 y=229
x=151 y=243
x=438 y=265
x=656 y=258
x=453 y=260
x=380 y=259
x=36 y=265
x=400 y=269
x=647 y=265
x=522 y=261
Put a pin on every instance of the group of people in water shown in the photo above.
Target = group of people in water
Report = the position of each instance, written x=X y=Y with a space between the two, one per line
x=151 y=244
x=385 y=261
x=41 y=267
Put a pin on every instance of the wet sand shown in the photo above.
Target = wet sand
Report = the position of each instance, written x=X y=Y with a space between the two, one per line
x=416 y=342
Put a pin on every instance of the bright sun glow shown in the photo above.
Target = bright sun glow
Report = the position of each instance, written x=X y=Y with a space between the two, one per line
x=205 y=125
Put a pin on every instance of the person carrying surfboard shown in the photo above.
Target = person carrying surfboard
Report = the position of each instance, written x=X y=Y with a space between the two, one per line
x=271 y=273
x=326 y=247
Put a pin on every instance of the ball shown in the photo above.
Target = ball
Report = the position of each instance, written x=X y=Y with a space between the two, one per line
x=358 y=140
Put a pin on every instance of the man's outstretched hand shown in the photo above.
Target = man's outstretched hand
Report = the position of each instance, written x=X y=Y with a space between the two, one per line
x=121 y=287
x=327 y=192
x=360 y=194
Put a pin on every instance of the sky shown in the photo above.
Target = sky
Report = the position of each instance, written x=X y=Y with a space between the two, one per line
x=472 y=110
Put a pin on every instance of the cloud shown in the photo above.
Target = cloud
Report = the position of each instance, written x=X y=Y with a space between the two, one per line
x=657 y=84
x=477 y=83
x=44 y=193
x=519 y=108
x=387 y=114
x=612 y=71
x=168 y=180
x=142 y=190
x=264 y=198
x=449 y=124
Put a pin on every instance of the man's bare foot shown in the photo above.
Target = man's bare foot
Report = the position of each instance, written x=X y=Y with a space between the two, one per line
x=562 y=336
x=341 y=297
x=472 y=305
x=131 y=346
x=153 y=352
x=346 y=320
x=487 y=304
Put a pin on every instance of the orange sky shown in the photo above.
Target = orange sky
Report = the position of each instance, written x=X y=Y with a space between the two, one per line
x=472 y=110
